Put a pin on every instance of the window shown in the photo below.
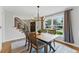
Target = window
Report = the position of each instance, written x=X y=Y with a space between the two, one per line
x=48 y=23
x=56 y=22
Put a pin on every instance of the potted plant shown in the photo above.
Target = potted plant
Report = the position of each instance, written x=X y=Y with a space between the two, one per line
x=39 y=31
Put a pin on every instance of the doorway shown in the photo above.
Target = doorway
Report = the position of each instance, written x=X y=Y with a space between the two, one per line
x=32 y=26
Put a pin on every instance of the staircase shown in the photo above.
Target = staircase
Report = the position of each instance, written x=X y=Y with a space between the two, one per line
x=20 y=44
x=21 y=25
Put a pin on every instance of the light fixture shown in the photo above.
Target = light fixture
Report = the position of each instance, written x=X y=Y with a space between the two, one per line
x=38 y=13
x=37 y=18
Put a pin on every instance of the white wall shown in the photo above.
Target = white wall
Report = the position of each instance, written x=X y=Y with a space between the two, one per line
x=2 y=26
x=75 y=24
x=11 y=33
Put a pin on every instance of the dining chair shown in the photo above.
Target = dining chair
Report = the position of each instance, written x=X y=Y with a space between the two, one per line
x=36 y=43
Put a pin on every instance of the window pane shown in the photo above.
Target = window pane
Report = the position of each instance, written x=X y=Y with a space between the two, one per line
x=58 y=21
x=48 y=23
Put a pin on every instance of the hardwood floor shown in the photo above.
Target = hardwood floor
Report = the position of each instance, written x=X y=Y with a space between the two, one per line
x=20 y=50
x=7 y=48
x=70 y=45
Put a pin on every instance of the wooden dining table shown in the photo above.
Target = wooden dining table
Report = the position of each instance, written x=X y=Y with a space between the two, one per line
x=48 y=39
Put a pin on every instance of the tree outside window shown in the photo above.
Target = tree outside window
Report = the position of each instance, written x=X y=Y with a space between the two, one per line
x=58 y=25
x=48 y=23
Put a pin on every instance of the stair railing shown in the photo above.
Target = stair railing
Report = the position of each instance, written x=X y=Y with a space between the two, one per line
x=22 y=26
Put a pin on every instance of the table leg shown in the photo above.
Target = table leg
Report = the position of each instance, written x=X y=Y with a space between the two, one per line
x=51 y=47
x=46 y=49
x=54 y=43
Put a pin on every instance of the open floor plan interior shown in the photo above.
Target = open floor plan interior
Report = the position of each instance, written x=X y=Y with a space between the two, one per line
x=39 y=29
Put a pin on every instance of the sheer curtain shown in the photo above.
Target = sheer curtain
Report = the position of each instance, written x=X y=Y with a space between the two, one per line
x=68 y=35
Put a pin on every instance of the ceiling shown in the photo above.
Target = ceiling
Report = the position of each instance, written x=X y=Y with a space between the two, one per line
x=31 y=11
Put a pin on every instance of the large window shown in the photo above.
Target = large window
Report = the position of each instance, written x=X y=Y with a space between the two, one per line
x=56 y=22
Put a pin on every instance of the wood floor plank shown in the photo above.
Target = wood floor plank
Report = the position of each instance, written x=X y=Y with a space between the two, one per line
x=6 y=47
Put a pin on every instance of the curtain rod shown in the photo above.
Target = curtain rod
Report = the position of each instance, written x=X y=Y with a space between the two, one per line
x=58 y=12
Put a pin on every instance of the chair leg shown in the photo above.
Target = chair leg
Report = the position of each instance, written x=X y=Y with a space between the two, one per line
x=54 y=43
x=28 y=46
x=26 y=39
x=50 y=48
x=37 y=50
x=31 y=49
x=46 y=49
x=26 y=43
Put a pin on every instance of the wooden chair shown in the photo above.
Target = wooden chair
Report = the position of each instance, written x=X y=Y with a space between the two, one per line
x=35 y=43
x=28 y=42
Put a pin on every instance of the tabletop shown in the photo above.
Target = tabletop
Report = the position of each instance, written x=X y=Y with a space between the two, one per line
x=47 y=37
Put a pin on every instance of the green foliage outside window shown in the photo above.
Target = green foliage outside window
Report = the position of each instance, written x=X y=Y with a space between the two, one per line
x=48 y=23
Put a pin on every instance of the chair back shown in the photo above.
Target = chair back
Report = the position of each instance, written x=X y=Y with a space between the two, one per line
x=32 y=38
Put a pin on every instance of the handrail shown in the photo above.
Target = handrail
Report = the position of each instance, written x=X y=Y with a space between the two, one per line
x=18 y=20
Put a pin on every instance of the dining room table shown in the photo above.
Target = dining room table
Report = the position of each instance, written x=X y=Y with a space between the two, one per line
x=48 y=39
